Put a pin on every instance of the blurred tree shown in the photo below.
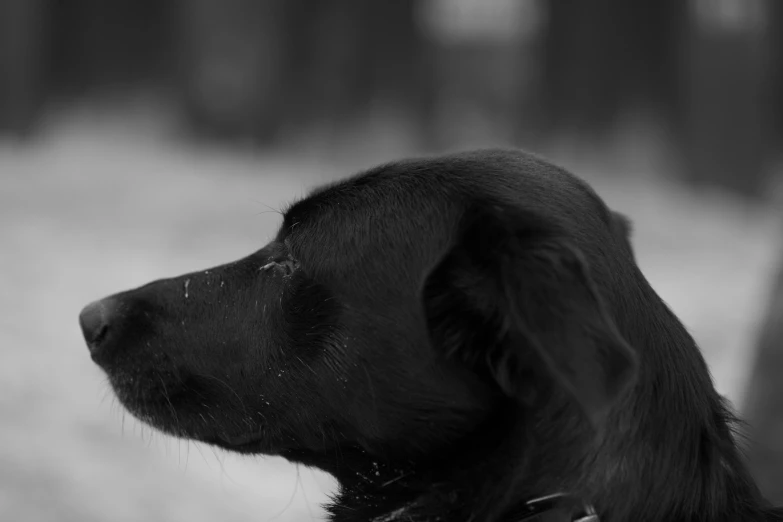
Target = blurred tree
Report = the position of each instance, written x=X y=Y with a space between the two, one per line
x=346 y=54
x=232 y=63
x=606 y=56
x=22 y=69
x=325 y=40
x=486 y=69
x=580 y=69
x=763 y=408
x=726 y=101
x=400 y=60
x=776 y=34
x=96 y=46
x=247 y=69
x=256 y=68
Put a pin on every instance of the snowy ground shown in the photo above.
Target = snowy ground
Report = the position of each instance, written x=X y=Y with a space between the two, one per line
x=95 y=208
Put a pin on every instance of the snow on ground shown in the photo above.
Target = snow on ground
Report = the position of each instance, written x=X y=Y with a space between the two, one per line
x=96 y=207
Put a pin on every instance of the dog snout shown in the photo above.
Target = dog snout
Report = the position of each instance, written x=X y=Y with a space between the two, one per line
x=95 y=321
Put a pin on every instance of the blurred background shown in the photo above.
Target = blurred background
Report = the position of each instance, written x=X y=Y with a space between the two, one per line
x=146 y=138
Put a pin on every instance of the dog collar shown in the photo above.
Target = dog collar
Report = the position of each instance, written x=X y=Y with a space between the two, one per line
x=549 y=508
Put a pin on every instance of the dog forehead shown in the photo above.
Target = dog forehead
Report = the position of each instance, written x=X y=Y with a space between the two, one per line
x=416 y=184
x=391 y=198
x=379 y=229
x=382 y=188
x=423 y=197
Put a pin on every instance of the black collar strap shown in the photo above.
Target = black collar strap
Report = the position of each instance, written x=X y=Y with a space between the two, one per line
x=555 y=508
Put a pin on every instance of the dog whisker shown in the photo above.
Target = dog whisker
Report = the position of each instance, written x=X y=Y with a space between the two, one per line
x=395 y=479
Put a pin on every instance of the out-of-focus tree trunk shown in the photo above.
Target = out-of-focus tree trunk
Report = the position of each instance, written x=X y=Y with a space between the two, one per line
x=649 y=66
x=401 y=58
x=326 y=78
x=22 y=64
x=580 y=65
x=603 y=57
x=776 y=33
x=727 y=119
x=232 y=67
x=99 y=46
x=763 y=407
x=485 y=69
x=347 y=53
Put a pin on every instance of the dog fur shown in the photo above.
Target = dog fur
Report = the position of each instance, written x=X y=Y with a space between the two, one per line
x=448 y=337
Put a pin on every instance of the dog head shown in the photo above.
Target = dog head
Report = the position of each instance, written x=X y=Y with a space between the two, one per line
x=408 y=330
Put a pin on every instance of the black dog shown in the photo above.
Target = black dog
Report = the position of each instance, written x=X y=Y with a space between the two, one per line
x=462 y=338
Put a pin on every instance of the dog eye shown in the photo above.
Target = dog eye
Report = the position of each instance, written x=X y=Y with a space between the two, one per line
x=287 y=266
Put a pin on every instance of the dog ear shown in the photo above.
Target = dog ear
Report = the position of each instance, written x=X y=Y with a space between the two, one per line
x=511 y=291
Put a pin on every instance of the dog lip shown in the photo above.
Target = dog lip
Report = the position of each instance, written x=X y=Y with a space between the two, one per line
x=239 y=440
x=252 y=442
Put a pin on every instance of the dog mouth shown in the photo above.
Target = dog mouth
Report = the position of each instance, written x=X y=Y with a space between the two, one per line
x=243 y=443
x=238 y=441
x=166 y=416
x=188 y=410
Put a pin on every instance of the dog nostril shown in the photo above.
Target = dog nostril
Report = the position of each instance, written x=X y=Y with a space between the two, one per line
x=100 y=334
x=94 y=320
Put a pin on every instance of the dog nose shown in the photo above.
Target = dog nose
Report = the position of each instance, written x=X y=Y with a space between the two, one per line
x=95 y=321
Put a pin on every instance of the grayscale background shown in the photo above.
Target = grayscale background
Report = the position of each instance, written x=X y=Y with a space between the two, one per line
x=145 y=138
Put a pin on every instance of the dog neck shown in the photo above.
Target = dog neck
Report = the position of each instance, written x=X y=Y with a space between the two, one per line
x=699 y=473
x=468 y=483
x=682 y=467
x=616 y=480
x=558 y=507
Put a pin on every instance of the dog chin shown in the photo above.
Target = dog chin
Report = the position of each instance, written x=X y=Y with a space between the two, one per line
x=162 y=418
x=250 y=443
x=170 y=409
x=151 y=412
